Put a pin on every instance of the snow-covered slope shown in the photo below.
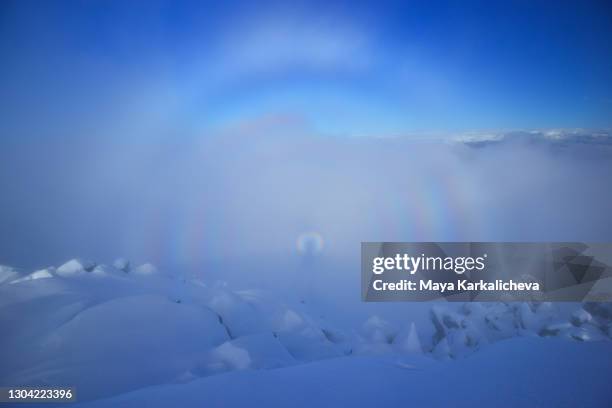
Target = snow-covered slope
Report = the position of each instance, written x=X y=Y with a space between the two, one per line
x=523 y=372
x=111 y=330
x=107 y=331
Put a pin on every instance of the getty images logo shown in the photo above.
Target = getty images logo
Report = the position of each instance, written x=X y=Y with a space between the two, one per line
x=413 y=264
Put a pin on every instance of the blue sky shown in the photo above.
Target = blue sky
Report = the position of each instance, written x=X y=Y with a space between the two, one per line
x=347 y=68
x=180 y=131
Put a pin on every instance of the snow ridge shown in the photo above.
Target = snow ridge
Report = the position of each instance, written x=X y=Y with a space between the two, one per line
x=110 y=329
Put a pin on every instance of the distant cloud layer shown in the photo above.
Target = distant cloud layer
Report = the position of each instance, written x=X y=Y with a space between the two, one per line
x=255 y=190
x=552 y=137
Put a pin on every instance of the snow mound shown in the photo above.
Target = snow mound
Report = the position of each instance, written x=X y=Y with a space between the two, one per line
x=258 y=351
x=237 y=315
x=146 y=269
x=75 y=267
x=41 y=274
x=477 y=324
x=7 y=274
x=378 y=330
x=122 y=265
x=580 y=317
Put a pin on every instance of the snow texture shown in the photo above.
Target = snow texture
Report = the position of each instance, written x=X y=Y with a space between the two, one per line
x=139 y=337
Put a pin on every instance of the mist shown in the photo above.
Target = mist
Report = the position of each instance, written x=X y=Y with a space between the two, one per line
x=244 y=196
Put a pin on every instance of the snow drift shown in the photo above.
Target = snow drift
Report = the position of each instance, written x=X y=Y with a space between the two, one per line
x=108 y=330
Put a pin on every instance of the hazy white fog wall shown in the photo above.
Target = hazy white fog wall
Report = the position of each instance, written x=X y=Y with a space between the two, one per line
x=247 y=194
